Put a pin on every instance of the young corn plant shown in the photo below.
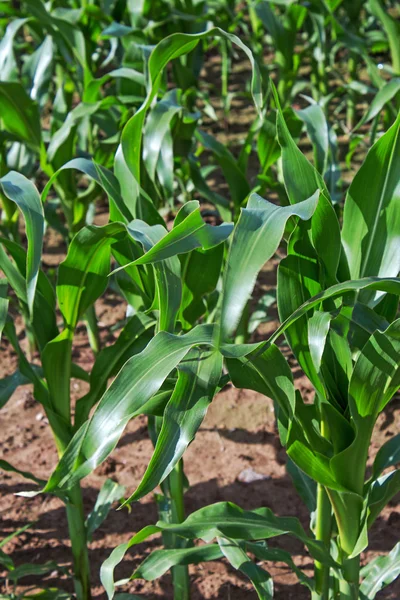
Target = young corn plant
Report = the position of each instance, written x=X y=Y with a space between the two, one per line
x=167 y=299
x=338 y=302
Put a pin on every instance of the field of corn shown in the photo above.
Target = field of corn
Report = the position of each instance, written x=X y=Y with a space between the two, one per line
x=199 y=299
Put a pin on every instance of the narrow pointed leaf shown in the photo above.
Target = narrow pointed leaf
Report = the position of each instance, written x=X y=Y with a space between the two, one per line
x=371 y=219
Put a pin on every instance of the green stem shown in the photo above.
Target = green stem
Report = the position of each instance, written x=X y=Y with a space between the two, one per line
x=180 y=574
x=224 y=73
x=323 y=531
x=351 y=105
x=78 y=537
x=323 y=534
x=171 y=509
x=349 y=586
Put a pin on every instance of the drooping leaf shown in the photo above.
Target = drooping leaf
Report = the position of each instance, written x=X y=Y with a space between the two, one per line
x=25 y=195
x=197 y=382
x=138 y=380
x=190 y=233
x=256 y=237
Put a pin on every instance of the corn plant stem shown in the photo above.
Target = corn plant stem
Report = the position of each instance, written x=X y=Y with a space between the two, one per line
x=78 y=537
x=224 y=74
x=323 y=534
x=322 y=85
x=349 y=587
x=74 y=505
x=351 y=105
x=180 y=574
x=170 y=505
x=323 y=530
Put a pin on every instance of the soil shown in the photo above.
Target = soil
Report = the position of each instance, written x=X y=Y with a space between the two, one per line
x=238 y=433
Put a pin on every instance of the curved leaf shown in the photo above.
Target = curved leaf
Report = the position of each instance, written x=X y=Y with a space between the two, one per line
x=380 y=572
x=255 y=239
x=138 y=380
x=197 y=383
x=22 y=191
x=20 y=114
x=371 y=218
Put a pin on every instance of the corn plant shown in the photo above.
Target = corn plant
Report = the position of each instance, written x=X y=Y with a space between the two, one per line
x=172 y=295
x=338 y=312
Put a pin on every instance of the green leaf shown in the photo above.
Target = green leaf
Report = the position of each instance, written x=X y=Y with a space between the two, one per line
x=168 y=49
x=117 y=555
x=371 y=222
x=382 y=490
x=301 y=178
x=237 y=181
x=102 y=176
x=83 y=275
x=318 y=329
x=161 y=561
x=305 y=486
x=6 y=466
x=380 y=572
x=384 y=95
x=22 y=191
x=8 y=63
x=198 y=379
x=255 y=239
x=375 y=379
x=239 y=560
x=262 y=552
x=317 y=129
x=29 y=569
x=138 y=380
x=132 y=340
x=9 y=384
x=390 y=285
x=269 y=374
x=388 y=455
x=190 y=233
x=226 y=519
x=44 y=317
x=20 y=114
x=157 y=126
x=392 y=30
x=167 y=271
x=109 y=493
x=200 y=274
